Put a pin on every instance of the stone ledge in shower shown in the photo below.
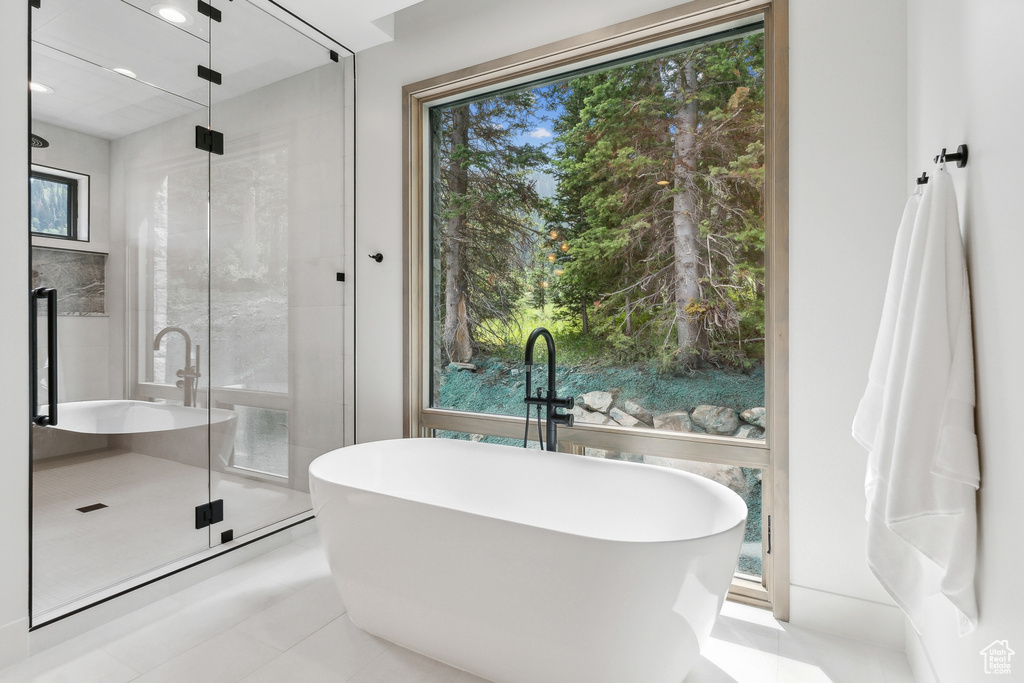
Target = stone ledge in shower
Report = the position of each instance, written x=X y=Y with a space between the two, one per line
x=78 y=276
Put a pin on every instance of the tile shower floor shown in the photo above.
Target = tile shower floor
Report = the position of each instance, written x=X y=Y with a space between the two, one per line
x=148 y=520
x=278 y=619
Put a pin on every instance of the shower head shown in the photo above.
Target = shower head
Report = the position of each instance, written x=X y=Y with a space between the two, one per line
x=38 y=141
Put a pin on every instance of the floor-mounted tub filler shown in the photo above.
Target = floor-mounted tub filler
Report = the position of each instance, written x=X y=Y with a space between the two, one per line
x=525 y=566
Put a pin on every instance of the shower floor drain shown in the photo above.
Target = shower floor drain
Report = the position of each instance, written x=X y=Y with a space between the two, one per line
x=92 y=508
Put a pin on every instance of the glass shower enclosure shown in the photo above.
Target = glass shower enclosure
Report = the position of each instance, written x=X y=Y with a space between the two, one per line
x=189 y=189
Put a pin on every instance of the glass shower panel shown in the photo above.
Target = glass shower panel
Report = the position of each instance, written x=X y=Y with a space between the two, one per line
x=116 y=482
x=183 y=15
x=128 y=40
x=276 y=246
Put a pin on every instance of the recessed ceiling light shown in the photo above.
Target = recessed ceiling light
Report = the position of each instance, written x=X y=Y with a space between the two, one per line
x=125 y=72
x=173 y=14
x=39 y=87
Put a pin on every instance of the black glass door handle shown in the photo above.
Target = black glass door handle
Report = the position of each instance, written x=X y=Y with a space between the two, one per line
x=50 y=294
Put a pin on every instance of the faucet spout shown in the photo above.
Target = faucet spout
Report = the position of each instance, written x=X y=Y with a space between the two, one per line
x=551 y=401
x=189 y=374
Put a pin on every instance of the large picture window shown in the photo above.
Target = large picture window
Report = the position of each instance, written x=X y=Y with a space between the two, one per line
x=629 y=201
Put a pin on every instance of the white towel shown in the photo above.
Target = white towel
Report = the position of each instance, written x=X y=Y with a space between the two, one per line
x=917 y=418
x=869 y=412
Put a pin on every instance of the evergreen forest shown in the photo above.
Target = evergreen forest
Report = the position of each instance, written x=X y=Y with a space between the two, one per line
x=622 y=208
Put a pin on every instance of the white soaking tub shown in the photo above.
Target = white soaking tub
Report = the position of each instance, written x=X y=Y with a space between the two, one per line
x=526 y=566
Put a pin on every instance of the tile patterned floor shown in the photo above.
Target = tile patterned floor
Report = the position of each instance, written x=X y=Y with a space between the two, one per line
x=149 y=520
x=278 y=619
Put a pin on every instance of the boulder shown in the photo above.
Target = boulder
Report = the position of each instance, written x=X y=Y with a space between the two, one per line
x=599 y=453
x=749 y=432
x=639 y=412
x=677 y=422
x=623 y=418
x=715 y=419
x=582 y=415
x=463 y=366
x=727 y=475
x=754 y=416
x=599 y=401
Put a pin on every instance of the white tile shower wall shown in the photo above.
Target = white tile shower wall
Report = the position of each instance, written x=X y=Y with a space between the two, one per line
x=311 y=105
x=305 y=116
x=83 y=350
x=73 y=151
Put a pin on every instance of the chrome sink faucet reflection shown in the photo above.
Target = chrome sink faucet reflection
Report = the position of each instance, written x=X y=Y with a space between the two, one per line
x=190 y=373
x=551 y=401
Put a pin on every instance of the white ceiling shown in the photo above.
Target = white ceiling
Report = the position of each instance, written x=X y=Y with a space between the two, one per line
x=358 y=24
x=77 y=44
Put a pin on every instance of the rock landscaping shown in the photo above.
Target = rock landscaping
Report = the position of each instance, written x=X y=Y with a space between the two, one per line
x=702 y=419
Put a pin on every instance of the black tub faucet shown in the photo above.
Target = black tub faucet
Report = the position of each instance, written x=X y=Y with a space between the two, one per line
x=552 y=401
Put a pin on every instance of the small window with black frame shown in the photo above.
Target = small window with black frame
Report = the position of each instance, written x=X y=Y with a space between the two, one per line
x=54 y=206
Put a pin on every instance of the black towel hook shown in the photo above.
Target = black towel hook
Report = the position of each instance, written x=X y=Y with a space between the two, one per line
x=959 y=156
x=923 y=179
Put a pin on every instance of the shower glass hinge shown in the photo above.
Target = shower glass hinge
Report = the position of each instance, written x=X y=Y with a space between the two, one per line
x=36 y=3
x=209 y=10
x=209 y=513
x=210 y=75
x=769 y=551
x=209 y=140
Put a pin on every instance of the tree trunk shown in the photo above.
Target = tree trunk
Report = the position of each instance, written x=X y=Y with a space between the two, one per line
x=629 y=318
x=583 y=312
x=686 y=233
x=457 y=341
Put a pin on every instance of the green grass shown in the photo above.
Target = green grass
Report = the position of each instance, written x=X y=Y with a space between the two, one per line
x=598 y=348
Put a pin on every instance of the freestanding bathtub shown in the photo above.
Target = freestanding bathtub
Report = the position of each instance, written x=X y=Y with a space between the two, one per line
x=192 y=436
x=526 y=566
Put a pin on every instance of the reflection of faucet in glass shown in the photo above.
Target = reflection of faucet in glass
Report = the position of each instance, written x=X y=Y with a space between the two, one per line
x=189 y=374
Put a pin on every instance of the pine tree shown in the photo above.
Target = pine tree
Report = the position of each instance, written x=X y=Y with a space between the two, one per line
x=485 y=203
x=660 y=165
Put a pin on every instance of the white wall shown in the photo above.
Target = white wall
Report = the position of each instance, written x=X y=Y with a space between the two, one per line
x=848 y=185
x=14 y=426
x=965 y=88
x=85 y=341
x=70 y=150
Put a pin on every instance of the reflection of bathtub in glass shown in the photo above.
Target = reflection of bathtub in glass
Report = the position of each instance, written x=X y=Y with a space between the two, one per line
x=171 y=432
